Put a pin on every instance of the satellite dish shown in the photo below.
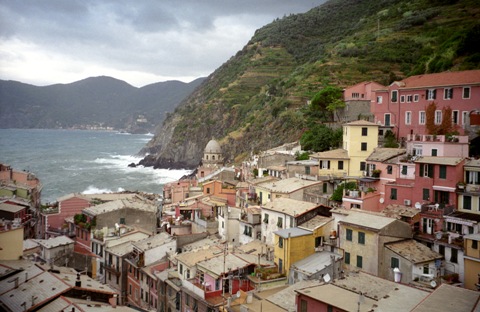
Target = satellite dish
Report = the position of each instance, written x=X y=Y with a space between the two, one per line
x=326 y=278
x=418 y=205
x=381 y=200
x=433 y=284
x=238 y=294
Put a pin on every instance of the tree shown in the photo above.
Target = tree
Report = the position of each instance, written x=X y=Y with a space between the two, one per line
x=390 y=140
x=327 y=100
x=445 y=127
x=320 y=138
x=430 y=118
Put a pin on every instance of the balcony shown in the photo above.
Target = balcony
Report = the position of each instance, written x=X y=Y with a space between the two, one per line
x=437 y=210
x=438 y=138
x=473 y=189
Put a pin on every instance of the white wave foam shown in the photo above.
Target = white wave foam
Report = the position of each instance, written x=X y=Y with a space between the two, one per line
x=95 y=190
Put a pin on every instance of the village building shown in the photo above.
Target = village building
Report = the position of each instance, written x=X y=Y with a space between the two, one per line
x=357 y=100
x=363 y=236
x=212 y=159
x=401 y=106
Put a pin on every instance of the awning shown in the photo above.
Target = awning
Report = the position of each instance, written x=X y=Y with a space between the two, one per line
x=443 y=188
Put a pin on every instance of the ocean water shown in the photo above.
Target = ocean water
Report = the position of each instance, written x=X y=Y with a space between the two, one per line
x=81 y=161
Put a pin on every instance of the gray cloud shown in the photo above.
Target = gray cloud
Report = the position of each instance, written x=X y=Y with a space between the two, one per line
x=141 y=42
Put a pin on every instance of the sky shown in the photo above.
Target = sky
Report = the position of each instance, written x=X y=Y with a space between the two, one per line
x=44 y=42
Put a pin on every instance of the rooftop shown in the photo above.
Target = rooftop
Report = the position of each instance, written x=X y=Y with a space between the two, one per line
x=396 y=211
x=472 y=163
x=288 y=185
x=308 y=162
x=193 y=257
x=448 y=161
x=467 y=77
x=291 y=207
x=368 y=220
x=450 y=298
x=285 y=298
x=292 y=232
x=154 y=241
x=383 y=154
x=315 y=222
x=11 y=208
x=413 y=251
x=55 y=242
x=142 y=205
x=315 y=262
x=361 y=123
x=215 y=266
x=338 y=153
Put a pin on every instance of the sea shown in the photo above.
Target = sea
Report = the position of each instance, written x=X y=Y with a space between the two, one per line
x=82 y=161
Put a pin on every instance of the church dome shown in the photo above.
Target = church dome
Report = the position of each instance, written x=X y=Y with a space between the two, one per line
x=213 y=147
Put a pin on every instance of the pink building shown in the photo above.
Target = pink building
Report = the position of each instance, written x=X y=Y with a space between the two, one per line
x=53 y=218
x=435 y=182
x=402 y=105
x=177 y=191
x=357 y=101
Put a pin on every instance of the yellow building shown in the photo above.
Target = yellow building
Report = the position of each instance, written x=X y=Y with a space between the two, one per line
x=292 y=245
x=11 y=243
x=471 y=260
x=360 y=138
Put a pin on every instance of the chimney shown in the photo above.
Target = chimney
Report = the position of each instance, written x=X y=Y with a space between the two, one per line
x=78 y=282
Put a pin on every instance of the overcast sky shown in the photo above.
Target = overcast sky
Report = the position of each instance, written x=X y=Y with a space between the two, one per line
x=44 y=42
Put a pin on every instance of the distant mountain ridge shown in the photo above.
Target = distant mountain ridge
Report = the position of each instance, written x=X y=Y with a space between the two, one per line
x=95 y=101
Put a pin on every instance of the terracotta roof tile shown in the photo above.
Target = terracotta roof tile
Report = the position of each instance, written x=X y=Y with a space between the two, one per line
x=467 y=77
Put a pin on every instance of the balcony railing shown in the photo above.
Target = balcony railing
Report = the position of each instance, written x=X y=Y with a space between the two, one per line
x=437 y=209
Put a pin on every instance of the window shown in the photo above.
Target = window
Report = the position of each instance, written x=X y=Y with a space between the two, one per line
x=441 y=250
x=280 y=242
x=415 y=98
x=473 y=177
x=265 y=218
x=426 y=194
x=394 y=95
x=303 y=305
x=389 y=169
x=387 y=119
x=447 y=93
x=223 y=224
x=443 y=172
x=363 y=165
x=340 y=165
x=180 y=269
x=325 y=164
x=464 y=117
x=438 y=117
x=208 y=190
x=455 y=117
x=466 y=93
x=434 y=152
x=408 y=118
x=454 y=255
x=307 y=169
x=359 y=262
x=404 y=169
x=474 y=244
x=280 y=222
x=409 y=98
x=355 y=95
x=247 y=231
x=426 y=170
x=467 y=202
x=421 y=117
x=364 y=146
x=361 y=238
x=379 y=100
x=349 y=235
x=394 y=263
x=402 y=98
x=431 y=94
x=325 y=187
x=393 y=193
x=347 y=258
x=364 y=131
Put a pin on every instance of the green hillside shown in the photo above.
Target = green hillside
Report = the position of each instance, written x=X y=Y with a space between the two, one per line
x=258 y=98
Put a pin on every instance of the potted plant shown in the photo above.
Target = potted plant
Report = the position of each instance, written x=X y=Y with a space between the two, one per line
x=461 y=185
x=376 y=173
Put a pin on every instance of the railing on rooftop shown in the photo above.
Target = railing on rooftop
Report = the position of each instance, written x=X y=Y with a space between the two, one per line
x=437 y=209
